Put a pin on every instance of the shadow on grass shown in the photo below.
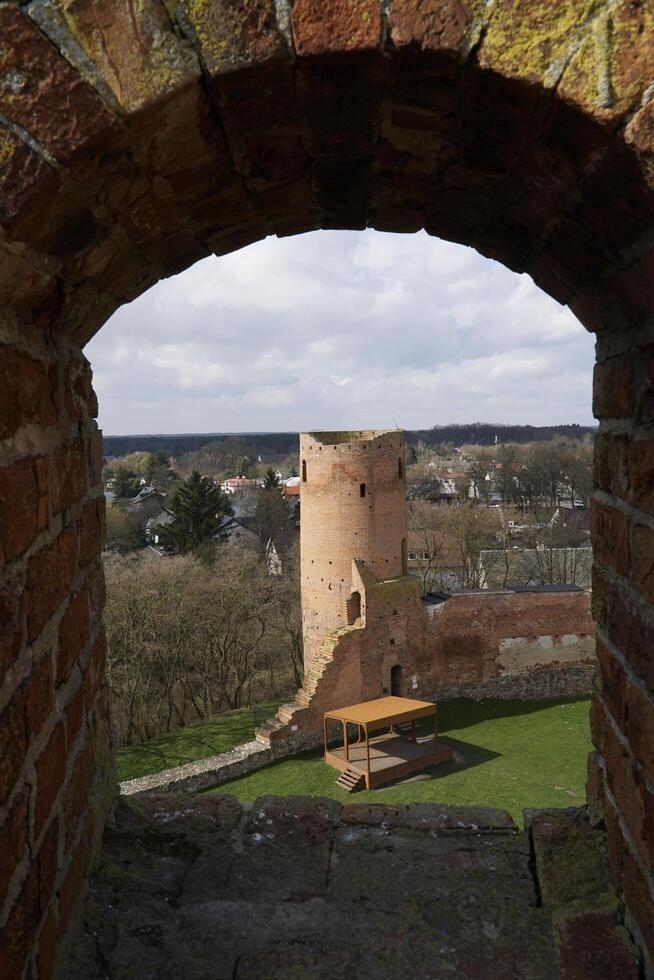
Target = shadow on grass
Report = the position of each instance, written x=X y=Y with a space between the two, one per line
x=465 y=755
x=463 y=713
x=216 y=735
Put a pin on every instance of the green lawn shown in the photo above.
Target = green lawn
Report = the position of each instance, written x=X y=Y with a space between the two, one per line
x=218 y=734
x=508 y=754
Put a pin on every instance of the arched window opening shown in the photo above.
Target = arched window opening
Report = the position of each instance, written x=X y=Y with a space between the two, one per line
x=354 y=608
x=397 y=681
x=362 y=489
x=400 y=468
x=304 y=471
x=404 y=557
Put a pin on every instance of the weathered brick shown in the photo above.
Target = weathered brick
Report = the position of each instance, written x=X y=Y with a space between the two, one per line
x=91 y=530
x=81 y=401
x=633 y=285
x=74 y=716
x=47 y=946
x=38 y=691
x=641 y=474
x=18 y=933
x=329 y=26
x=50 y=768
x=76 y=794
x=640 y=728
x=73 y=883
x=95 y=458
x=598 y=723
x=13 y=840
x=68 y=475
x=54 y=104
x=610 y=536
x=10 y=627
x=633 y=636
x=49 y=578
x=48 y=863
x=638 y=896
x=27 y=392
x=616 y=846
x=642 y=561
x=14 y=743
x=613 y=682
x=613 y=388
x=134 y=48
x=593 y=944
x=23 y=505
x=634 y=801
x=73 y=634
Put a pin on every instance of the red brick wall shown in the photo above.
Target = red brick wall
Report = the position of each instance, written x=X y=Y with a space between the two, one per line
x=56 y=776
x=480 y=644
x=155 y=137
x=621 y=772
x=338 y=524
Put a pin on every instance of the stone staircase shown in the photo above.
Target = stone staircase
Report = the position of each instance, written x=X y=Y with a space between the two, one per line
x=286 y=713
x=351 y=781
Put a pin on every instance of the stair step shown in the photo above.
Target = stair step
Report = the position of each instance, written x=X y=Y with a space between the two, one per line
x=350 y=781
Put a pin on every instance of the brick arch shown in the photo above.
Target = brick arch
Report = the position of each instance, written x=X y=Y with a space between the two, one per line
x=136 y=139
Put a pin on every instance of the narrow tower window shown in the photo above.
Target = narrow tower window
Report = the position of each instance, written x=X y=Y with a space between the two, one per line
x=304 y=471
x=404 y=562
x=362 y=489
x=353 y=608
x=400 y=468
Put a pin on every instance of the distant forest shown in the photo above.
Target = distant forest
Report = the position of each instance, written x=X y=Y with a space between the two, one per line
x=284 y=443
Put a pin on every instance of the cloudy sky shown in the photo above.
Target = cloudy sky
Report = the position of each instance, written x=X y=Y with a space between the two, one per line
x=340 y=330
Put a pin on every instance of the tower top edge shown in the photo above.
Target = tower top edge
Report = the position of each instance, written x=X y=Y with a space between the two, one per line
x=355 y=435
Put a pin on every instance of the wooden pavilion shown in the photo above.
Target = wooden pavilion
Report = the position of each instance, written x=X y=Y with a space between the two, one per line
x=396 y=750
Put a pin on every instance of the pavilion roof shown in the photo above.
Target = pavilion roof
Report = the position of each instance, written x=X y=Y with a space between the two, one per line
x=383 y=711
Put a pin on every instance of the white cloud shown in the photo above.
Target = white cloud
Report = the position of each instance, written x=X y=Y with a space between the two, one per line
x=341 y=329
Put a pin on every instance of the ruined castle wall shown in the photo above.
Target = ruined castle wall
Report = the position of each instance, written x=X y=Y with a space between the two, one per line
x=479 y=644
x=509 y=644
x=154 y=137
x=56 y=765
x=353 y=507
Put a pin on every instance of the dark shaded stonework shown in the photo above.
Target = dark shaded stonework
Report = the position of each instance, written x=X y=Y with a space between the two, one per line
x=303 y=888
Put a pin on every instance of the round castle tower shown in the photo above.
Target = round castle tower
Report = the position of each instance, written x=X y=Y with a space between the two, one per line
x=353 y=495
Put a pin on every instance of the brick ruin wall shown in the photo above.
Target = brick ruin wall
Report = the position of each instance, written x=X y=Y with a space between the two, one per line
x=480 y=645
x=511 y=645
x=56 y=762
x=133 y=145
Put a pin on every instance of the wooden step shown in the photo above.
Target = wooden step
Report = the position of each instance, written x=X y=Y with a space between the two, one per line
x=351 y=781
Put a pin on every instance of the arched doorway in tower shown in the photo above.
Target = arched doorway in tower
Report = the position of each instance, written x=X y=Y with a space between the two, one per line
x=397 y=681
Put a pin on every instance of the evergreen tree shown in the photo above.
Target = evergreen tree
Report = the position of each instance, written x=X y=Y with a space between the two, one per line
x=271 y=514
x=271 y=479
x=126 y=483
x=155 y=461
x=198 y=508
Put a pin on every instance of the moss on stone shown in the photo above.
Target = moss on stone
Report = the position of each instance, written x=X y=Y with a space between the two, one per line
x=529 y=38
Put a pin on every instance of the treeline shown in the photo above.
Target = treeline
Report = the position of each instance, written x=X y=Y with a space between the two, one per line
x=484 y=434
x=269 y=444
x=258 y=443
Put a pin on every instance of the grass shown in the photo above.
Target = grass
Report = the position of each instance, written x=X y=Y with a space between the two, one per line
x=218 y=734
x=508 y=754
